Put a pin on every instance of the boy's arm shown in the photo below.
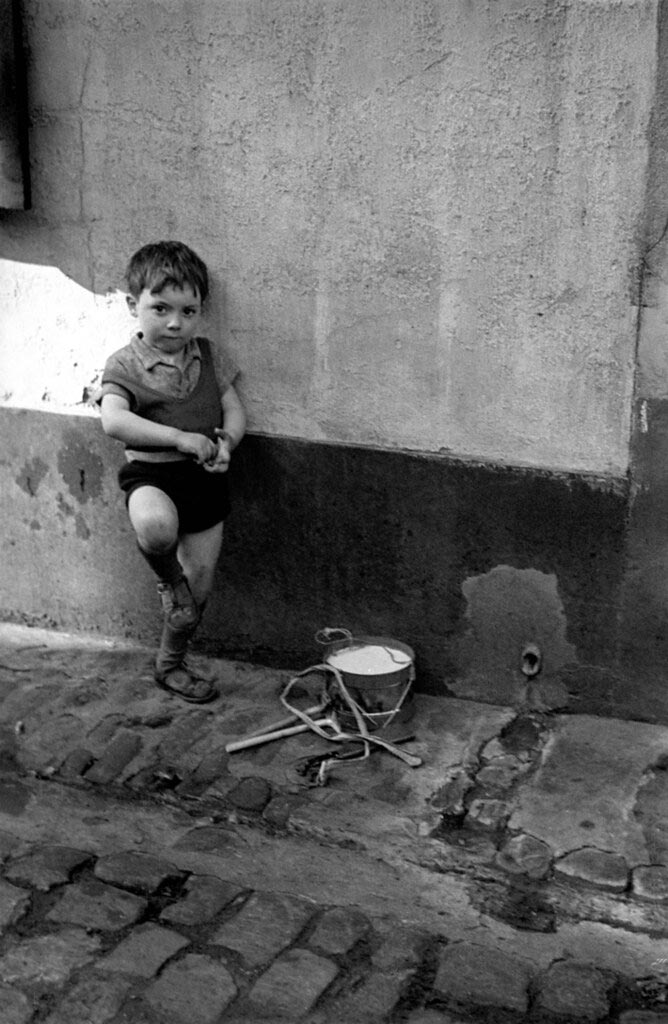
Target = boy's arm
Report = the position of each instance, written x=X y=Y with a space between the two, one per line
x=230 y=434
x=234 y=418
x=126 y=426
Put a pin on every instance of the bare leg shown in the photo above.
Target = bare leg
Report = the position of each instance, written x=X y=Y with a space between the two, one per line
x=198 y=554
x=155 y=521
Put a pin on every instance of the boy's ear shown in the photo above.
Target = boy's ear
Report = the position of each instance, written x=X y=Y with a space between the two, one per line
x=132 y=304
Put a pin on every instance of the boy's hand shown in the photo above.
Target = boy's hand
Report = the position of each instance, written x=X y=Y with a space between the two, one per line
x=200 y=447
x=221 y=461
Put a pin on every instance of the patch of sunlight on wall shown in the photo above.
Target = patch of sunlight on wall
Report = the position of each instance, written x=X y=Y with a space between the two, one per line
x=55 y=337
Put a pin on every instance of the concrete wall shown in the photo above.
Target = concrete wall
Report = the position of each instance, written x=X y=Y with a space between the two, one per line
x=426 y=226
x=423 y=218
x=645 y=599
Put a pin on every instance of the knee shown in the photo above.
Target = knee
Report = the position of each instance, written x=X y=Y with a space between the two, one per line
x=155 y=534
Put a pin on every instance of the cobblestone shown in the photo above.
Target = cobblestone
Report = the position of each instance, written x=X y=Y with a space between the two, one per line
x=47 y=866
x=374 y=998
x=154 y=778
x=651 y=883
x=13 y=903
x=205 y=897
x=495 y=776
x=251 y=794
x=338 y=930
x=278 y=810
x=574 y=990
x=104 y=731
x=469 y=974
x=117 y=756
x=136 y=871
x=487 y=813
x=494 y=750
x=15 y=1007
x=7 y=845
x=523 y=854
x=212 y=766
x=49 y=959
x=76 y=763
x=8 y=749
x=206 y=838
x=54 y=734
x=97 y=906
x=450 y=798
x=292 y=985
x=267 y=924
x=183 y=733
x=401 y=946
x=197 y=989
x=95 y=1000
x=144 y=951
x=595 y=867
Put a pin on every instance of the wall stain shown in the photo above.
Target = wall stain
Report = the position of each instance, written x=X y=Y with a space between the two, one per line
x=63 y=506
x=31 y=476
x=80 y=468
x=508 y=609
x=81 y=527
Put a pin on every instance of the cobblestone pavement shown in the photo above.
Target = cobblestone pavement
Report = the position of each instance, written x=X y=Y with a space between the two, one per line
x=148 y=876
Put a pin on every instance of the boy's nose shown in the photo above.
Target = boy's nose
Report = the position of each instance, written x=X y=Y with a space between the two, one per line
x=174 y=322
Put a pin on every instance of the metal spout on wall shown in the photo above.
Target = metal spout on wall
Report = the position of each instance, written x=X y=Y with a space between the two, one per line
x=531 y=660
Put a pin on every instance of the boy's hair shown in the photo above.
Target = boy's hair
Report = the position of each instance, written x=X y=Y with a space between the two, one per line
x=159 y=264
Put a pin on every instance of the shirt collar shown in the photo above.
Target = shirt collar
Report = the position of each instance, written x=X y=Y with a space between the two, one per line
x=150 y=356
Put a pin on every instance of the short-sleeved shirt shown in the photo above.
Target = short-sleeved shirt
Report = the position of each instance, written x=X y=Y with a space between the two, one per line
x=154 y=369
x=148 y=371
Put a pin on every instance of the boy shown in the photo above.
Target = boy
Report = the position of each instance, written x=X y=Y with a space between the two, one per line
x=180 y=418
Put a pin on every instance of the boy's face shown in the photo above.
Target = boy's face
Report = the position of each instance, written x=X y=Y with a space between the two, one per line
x=167 y=319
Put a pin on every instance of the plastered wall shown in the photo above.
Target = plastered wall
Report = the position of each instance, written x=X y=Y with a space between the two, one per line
x=437 y=238
x=423 y=218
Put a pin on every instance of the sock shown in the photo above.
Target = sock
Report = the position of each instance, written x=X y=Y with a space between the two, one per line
x=165 y=565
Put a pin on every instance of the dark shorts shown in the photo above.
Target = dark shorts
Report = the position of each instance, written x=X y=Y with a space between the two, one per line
x=202 y=499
